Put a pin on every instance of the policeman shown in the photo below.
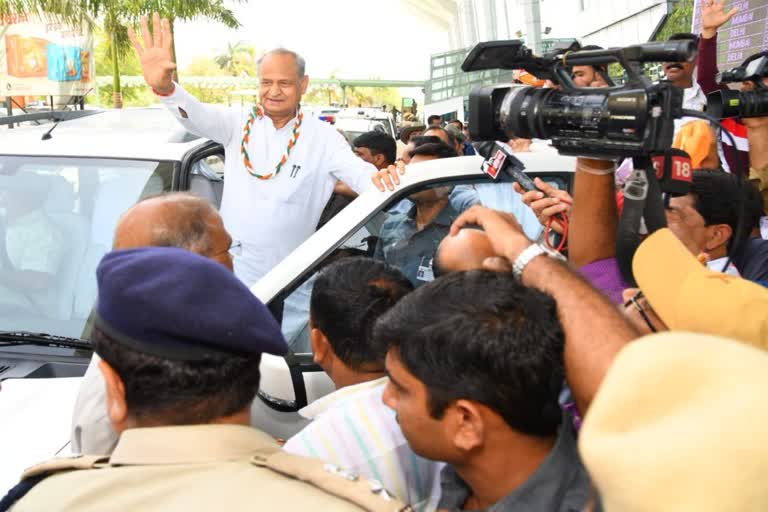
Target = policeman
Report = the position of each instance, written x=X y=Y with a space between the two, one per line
x=181 y=338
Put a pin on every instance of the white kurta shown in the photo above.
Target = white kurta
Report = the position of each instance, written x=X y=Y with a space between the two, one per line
x=272 y=217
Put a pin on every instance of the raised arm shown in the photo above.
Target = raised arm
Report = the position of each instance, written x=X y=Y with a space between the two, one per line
x=592 y=233
x=213 y=122
x=595 y=330
x=713 y=16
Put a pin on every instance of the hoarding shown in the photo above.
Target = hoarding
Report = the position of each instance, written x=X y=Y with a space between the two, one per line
x=44 y=58
x=745 y=35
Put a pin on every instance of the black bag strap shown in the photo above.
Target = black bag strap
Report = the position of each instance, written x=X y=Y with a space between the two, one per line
x=19 y=491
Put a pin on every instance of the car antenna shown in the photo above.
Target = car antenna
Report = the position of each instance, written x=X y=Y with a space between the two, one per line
x=47 y=135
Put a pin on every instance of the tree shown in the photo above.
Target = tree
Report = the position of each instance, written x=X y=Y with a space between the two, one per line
x=184 y=10
x=237 y=59
x=206 y=66
x=679 y=20
x=72 y=12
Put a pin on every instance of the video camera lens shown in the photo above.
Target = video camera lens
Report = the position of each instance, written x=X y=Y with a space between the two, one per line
x=724 y=104
x=570 y=119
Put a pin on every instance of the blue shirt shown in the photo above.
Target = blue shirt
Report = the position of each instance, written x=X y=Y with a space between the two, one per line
x=501 y=196
x=412 y=251
x=462 y=197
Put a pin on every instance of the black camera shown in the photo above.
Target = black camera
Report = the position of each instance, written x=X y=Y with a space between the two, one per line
x=723 y=104
x=633 y=120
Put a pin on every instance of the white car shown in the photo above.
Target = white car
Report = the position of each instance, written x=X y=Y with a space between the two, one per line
x=87 y=175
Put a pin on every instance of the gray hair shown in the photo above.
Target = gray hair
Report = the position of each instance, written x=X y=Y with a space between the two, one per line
x=301 y=64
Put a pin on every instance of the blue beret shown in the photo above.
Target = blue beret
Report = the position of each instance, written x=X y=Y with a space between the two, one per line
x=178 y=305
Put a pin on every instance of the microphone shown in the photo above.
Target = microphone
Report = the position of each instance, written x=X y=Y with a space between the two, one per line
x=673 y=171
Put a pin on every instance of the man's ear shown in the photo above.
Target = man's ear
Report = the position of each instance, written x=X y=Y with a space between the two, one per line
x=321 y=348
x=117 y=407
x=468 y=425
x=718 y=236
x=379 y=160
x=304 y=84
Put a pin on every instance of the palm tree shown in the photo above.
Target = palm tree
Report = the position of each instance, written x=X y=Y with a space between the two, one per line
x=117 y=15
x=228 y=60
x=184 y=10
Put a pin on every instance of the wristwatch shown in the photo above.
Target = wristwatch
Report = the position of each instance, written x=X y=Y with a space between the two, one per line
x=533 y=251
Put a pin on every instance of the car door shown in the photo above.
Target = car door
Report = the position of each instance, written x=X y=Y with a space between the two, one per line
x=294 y=381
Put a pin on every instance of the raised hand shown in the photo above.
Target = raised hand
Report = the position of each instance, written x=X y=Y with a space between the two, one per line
x=503 y=230
x=389 y=178
x=547 y=203
x=155 y=53
x=713 y=16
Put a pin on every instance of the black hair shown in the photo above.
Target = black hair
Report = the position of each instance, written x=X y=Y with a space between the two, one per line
x=435 y=149
x=458 y=122
x=449 y=135
x=379 y=144
x=420 y=140
x=167 y=392
x=719 y=198
x=347 y=299
x=434 y=118
x=482 y=336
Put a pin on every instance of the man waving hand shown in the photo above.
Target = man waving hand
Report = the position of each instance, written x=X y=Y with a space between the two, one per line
x=281 y=167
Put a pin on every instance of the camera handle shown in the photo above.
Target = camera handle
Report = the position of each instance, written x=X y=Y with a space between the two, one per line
x=642 y=202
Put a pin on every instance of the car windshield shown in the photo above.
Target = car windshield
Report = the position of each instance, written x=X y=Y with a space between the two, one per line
x=57 y=219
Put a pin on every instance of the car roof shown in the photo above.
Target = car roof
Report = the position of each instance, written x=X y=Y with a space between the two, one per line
x=357 y=124
x=135 y=133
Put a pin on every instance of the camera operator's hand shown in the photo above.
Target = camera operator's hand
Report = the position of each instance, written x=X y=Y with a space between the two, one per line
x=503 y=230
x=713 y=16
x=547 y=203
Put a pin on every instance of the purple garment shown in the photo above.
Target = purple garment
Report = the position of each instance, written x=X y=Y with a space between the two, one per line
x=605 y=276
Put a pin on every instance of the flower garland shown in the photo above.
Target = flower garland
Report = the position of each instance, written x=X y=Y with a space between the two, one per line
x=259 y=112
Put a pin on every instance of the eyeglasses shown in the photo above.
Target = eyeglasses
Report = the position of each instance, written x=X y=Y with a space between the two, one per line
x=235 y=249
x=635 y=301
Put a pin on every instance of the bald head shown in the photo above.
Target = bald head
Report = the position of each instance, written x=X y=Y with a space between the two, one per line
x=175 y=220
x=465 y=251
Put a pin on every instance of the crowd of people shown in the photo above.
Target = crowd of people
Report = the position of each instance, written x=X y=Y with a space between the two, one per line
x=513 y=377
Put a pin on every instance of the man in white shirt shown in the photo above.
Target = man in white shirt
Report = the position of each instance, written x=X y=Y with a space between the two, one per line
x=351 y=427
x=281 y=167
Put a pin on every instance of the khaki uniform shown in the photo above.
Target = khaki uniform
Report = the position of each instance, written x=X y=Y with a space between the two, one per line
x=205 y=467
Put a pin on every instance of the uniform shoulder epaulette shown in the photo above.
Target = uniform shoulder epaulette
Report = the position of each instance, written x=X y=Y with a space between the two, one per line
x=65 y=464
x=367 y=494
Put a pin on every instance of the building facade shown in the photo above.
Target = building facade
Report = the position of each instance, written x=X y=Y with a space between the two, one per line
x=607 y=23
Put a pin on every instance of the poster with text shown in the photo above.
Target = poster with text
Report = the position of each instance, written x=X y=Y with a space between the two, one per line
x=44 y=58
x=746 y=34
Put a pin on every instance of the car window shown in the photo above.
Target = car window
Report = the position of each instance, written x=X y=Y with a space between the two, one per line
x=57 y=219
x=394 y=235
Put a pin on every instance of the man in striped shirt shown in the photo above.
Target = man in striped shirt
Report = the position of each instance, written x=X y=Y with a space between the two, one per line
x=351 y=427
